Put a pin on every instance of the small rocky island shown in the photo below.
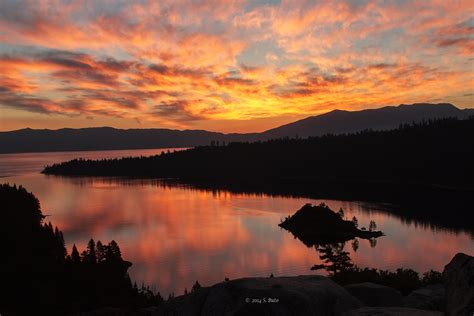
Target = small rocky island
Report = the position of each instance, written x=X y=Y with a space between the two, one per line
x=319 y=224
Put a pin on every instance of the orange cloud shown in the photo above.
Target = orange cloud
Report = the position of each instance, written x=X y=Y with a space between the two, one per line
x=190 y=64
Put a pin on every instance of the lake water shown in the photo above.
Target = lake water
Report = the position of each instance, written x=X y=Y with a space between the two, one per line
x=175 y=235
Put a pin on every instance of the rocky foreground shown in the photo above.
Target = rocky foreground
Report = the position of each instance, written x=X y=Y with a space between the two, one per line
x=318 y=295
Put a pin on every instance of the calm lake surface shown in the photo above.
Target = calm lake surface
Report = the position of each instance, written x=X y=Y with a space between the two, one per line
x=175 y=235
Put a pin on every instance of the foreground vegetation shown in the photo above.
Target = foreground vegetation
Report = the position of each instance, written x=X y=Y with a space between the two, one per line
x=337 y=262
x=404 y=280
x=37 y=271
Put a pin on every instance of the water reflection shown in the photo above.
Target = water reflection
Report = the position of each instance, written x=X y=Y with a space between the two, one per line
x=355 y=244
x=176 y=233
x=405 y=215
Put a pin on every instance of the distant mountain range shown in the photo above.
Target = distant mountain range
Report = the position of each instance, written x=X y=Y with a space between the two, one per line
x=389 y=117
x=334 y=122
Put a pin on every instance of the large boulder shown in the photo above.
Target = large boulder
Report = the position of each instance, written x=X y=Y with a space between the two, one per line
x=459 y=282
x=189 y=304
x=391 y=311
x=371 y=294
x=431 y=297
x=300 y=295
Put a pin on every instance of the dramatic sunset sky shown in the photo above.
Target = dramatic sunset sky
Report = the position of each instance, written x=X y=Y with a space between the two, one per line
x=226 y=65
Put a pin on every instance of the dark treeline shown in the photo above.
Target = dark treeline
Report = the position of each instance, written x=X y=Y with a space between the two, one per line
x=438 y=153
x=341 y=269
x=421 y=163
x=37 y=272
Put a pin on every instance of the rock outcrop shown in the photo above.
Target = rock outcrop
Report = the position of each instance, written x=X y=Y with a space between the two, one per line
x=318 y=295
x=320 y=225
x=431 y=297
x=301 y=295
x=459 y=283
x=371 y=294
x=391 y=311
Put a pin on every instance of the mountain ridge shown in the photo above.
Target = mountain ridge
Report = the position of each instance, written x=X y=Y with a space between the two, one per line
x=385 y=118
x=110 y=138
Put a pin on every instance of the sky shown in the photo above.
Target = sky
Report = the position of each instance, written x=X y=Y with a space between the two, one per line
x=230 y=66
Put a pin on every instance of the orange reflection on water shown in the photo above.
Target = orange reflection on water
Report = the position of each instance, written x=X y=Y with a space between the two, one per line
x=177 y=235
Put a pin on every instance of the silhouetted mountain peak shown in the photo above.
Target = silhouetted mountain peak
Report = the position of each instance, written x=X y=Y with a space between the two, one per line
x=433 y=105
x=333 y=122
x=336 y=111
x=388 y=117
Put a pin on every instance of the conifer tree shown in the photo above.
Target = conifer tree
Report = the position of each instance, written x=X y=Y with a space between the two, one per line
x=75 y=258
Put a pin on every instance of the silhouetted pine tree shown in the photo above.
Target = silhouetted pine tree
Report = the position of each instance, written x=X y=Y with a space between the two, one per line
x=91 y=256
x=75 y=257
x=100 y=251
x=67 y=284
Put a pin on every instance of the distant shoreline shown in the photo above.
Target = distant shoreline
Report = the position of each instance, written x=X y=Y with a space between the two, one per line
x=89 y=150
x=335 y=122
x=426 y=166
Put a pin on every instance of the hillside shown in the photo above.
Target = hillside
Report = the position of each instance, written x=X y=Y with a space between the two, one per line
x=439 y=151
x=421 y=166
x=101 y=138
x=389 y=117
x=107 y=138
